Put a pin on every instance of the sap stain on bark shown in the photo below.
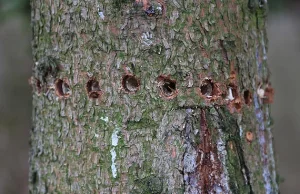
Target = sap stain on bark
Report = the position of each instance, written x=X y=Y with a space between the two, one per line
x=203 y=170
x=210 y=167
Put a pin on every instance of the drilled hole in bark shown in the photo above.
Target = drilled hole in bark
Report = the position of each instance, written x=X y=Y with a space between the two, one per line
x=93 y=89
x=62 y=88
x=167 y=87
x=130 y=83
x=247 y=97
x=208 y=88
x=238 y=105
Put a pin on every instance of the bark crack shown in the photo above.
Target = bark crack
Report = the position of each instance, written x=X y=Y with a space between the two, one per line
x=244 y=169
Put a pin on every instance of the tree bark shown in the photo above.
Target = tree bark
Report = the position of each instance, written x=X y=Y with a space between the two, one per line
x=151 y=96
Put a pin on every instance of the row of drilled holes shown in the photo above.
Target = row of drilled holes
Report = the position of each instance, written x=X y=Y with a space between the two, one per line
x=208 y=89
x=131 y=84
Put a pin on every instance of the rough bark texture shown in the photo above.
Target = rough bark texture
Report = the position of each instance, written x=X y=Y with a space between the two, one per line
x=151 y=96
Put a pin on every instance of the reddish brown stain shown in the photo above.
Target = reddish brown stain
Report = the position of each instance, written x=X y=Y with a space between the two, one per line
x=232 y=78
x=249 y=136
x=235 y=105
x=202 y=14
x=209 y=166
x=269 y=95
x=230 y=144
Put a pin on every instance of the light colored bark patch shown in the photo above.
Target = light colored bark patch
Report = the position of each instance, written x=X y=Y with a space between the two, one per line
x=114 y=143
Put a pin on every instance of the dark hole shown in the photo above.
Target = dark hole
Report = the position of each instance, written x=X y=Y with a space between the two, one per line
x=38 y=86
x=237 y=105
x=34 y=177
x=93 y=88
x=169 y=87
x=207 y=88
x=93 y=85
x=247 y=97
x=130 y=83
x=62 y=88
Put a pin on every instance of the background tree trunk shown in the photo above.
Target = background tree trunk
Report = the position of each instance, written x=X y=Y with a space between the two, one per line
x=151 y=97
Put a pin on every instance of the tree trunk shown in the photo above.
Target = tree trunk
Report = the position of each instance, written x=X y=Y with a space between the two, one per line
x=151 y=96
